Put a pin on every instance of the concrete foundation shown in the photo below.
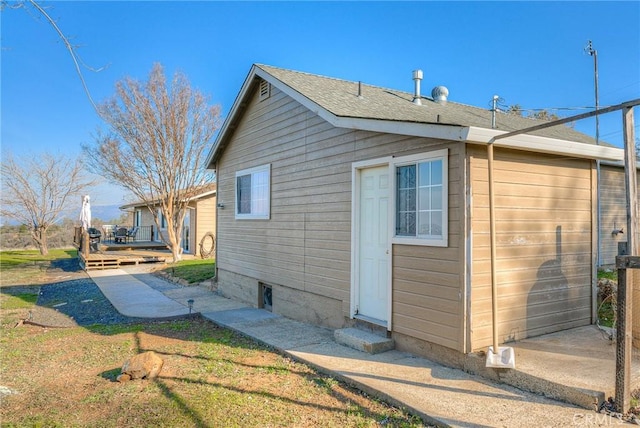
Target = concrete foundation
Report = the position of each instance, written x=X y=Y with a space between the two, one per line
x=238 y=287
x=289 y=302
x=307 y=307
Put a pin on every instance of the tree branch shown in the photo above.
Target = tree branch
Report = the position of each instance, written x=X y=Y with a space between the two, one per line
x=74 y=57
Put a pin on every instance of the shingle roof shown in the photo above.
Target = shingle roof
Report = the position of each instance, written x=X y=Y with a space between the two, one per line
x=194 y=193
x=387 y=110
x=340 y=97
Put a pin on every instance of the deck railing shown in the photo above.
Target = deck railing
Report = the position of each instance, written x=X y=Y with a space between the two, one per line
x=143 y=234
x=83 y=240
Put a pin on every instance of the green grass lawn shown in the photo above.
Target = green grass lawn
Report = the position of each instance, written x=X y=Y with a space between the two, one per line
x=14 y=258
x=192 y=271
x=612 y=275
x=606 y=309
x=29 y=267
x=30 y=263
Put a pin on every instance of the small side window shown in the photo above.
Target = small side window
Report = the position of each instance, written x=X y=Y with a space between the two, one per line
x=253 y=193
x=421 y=199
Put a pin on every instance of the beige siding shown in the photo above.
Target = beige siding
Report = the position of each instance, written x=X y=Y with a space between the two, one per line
x=613 y=212
x=306 y=244
x=544 y=242
x=204 y=221
x=428 y=281
x=146 y=219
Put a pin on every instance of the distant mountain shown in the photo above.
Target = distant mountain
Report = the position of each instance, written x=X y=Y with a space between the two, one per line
x=106 y=213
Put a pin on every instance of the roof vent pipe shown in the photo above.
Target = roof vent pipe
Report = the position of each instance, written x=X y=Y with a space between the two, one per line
x=494 y=109
x=417 y=77
x=440 y=94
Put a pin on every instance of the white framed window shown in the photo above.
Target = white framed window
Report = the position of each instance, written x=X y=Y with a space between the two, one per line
x=421 y=199
x=253 y=193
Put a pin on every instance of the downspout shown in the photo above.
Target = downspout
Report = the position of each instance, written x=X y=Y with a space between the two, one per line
x=492 y=236
x=215 y=273
x=499 y=357
x=492 y=233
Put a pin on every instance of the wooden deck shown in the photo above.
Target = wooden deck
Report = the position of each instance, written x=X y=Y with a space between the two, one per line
x=112 y=256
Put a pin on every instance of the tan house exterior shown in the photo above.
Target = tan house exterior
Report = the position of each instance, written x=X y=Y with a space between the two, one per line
x=355 y=203
x=199 y=221
x=613 y=212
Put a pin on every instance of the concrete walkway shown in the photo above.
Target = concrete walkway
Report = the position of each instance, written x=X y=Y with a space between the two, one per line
x=440 y=395
x=134 y=298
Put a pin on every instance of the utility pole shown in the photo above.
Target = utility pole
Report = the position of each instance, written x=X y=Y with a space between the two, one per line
x=594 y=53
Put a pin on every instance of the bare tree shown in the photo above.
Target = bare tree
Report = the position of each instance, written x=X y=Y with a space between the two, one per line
x=75 y=57
x=515 y=109
x=37 y=190
x=545 y=115
x=541 y=114
x=156 y=145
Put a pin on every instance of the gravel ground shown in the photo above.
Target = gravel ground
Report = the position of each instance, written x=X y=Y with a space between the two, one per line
x=75 y=302
x=79 y=302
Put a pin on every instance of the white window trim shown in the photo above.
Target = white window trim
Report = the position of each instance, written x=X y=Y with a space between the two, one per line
x=248 y=171
x=413 y=159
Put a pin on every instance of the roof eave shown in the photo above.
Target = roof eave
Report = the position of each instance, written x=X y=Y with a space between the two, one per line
x=228 y=126
x=157 y=201
x=477 y=135
x=619 y=164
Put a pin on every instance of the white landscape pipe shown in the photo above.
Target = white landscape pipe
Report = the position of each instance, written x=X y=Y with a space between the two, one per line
x=500 y=357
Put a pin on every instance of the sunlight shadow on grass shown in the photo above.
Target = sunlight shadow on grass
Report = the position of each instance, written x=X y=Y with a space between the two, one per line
x=111 y=374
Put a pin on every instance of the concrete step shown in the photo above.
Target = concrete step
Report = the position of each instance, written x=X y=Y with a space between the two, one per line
x=364 y=341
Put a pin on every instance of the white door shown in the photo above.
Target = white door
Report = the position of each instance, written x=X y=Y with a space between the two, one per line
x=373 y=245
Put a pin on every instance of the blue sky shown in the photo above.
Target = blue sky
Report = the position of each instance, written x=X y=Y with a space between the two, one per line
x=528 y=53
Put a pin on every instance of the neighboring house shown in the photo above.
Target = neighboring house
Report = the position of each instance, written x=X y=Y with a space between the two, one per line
x=342 y=202
x=613 y=212
x=199 y=220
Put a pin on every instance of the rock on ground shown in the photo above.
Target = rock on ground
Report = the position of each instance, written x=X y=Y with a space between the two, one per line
x=142 y=366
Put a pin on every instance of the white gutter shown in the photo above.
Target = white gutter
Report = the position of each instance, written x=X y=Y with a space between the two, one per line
x=543 y=144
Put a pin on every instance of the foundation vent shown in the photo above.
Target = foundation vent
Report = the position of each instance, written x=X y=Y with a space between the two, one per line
x=265 y=297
